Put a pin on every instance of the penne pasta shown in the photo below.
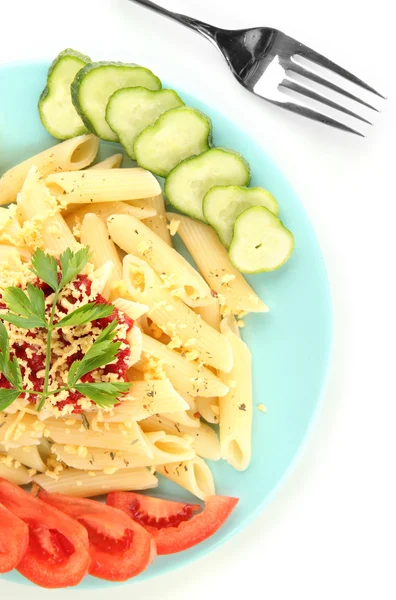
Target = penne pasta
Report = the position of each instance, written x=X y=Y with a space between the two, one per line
x=232 y=289
x=94 y=234
x=193 y=475
x=182 y=418
x=103 y=185
x=209 y=409
x=13 y=256
x=174 y=317
x=134 y=310
x=81 y=484
x=104 y=210
x=28 y=456
x=177 y=275
x=43 y=224
x=186 y=376
x=135 y=341
x=19 y=429
x=165 y=448
x=14 y=472
x=210 y=313
x=158 y=223
x=10 y=230
x=74 y=154
x=146 y=398
x=204 y=439
x=111 y=162
x=236 y=406
x=112 y=436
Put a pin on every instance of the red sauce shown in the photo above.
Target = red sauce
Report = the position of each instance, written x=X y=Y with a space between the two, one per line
x=36 y=358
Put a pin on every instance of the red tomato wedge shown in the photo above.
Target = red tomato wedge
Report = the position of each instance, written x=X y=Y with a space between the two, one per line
x=57 y=555
x=173 y=524
x=14 y=540
x=119 y=547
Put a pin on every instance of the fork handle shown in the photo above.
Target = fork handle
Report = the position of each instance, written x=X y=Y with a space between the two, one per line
x=208 y=31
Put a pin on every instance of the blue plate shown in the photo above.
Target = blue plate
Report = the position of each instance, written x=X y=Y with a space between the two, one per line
x=290 y=345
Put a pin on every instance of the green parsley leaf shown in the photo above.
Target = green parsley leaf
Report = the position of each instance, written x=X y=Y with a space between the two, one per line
x=10 y=368
x=23 y=322
x=85 y=314
x=45 y=267
x=72 y=263
x=7 y=397
x=37 y=301
x=104 y=394
x=102 y=352
x=21 y=304
x=4 y=343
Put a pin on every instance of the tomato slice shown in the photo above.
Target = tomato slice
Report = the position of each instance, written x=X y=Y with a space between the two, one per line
x=14 y=540
x=173 y=524
x=57 y=554
x=119 y=547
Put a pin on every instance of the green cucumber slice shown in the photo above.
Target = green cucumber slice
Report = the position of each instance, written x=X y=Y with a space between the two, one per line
x=187 y=184
x=55 y=105
x=96 y=82
x=176 y=135
x=260 y=241
x=223 y=204
x=130 y=110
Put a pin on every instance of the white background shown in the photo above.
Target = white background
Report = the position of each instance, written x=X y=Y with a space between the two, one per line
x=330 y=533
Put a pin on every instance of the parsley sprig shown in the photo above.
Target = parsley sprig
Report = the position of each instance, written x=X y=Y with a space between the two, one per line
x=27 y=310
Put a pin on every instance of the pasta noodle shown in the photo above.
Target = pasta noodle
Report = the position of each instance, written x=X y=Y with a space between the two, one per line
x=44 y=226
x=113 y=436
x=232 y=289
x=186 y=376
x=236 y=406
x=210 y=313
x=81 y=484
x=75 y=213
x=111 y=162
x=94 y=234
x=174 y=317
x=158 y=223
x=209 y=409
x=103 y=185
x=15 y=474
x=203 y=439
x=133 y=309
x=74 y=154
x=194 y=475
x=165 y=448
x=176 y=273
x=28 y=456
x=146 y=398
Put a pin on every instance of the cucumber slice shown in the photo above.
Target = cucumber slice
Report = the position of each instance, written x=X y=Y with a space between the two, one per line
x=130 y=110
x=55 y=105
x=187 y=184
x=223 y=204
x=95 y=83
x=178 y=134
x=260 y=241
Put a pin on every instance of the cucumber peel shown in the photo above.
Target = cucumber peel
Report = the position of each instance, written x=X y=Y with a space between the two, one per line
x=188 y=183
x=260 y=241
x=55 y=105
x=176 y=135
x=130 y=110
x=96 y=82
x=223 y=204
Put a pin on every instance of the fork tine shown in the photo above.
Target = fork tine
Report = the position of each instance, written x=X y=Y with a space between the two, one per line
x=321 y=60
x=301 y=89
x=304 y=72
x=304 y=111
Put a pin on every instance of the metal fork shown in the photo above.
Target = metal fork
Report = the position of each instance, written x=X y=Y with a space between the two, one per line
x=259 y=59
